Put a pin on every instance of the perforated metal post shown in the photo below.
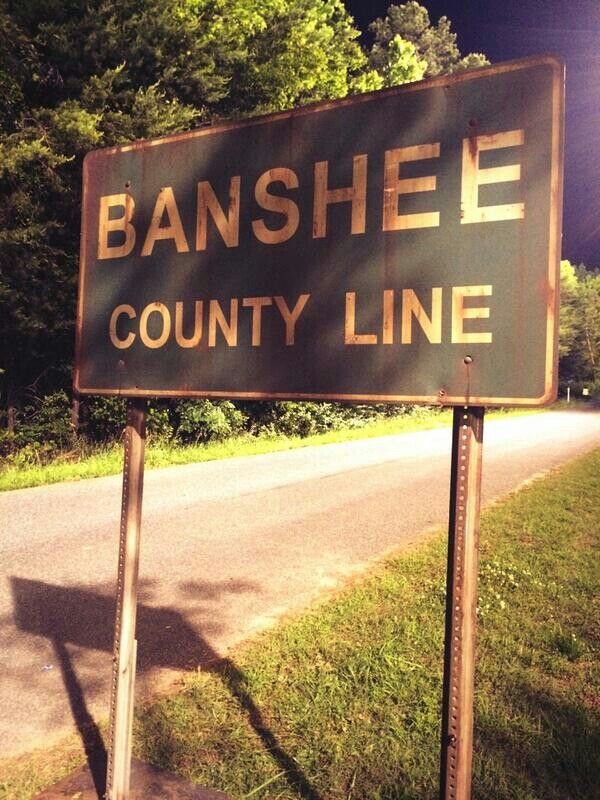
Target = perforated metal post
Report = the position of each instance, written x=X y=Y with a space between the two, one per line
x=461 y=604
x=125 y=645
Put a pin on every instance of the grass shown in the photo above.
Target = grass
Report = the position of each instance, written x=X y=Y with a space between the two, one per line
x=108 y=460
x=343 y=702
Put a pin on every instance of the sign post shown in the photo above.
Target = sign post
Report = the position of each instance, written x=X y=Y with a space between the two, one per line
x=461 y=604
x=125 y=645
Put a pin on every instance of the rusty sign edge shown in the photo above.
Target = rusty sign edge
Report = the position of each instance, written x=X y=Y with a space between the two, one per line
x=548 y=59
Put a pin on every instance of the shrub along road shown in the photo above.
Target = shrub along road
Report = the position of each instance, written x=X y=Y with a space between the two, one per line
x=227 y=548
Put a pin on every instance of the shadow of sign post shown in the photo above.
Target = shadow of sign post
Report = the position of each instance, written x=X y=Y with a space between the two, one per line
x=75 y=617
x=397 y=246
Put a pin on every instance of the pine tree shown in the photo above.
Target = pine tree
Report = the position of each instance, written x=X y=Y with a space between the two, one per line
x=435 y=44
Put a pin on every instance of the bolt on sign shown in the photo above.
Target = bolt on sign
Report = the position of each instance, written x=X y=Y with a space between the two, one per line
x=401 y=245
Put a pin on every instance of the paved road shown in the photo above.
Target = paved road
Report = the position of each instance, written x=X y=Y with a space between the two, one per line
x=227 y=548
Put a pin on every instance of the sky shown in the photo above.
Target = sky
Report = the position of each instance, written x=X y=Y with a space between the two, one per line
x=507 y=29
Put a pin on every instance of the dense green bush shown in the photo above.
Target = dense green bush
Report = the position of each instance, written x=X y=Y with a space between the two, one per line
x=305 y=419
x=43 y=429
x=104 y=417
x=207 y=420
x=159 y=425
x=355 y=416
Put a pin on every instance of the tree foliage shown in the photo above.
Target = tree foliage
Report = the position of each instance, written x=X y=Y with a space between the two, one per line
x=402 y=63
x=579 y=348
x=569 y=290
x=435 y=44
x=298 y=51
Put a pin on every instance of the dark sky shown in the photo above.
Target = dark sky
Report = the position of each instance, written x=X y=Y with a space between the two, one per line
x=507 y=29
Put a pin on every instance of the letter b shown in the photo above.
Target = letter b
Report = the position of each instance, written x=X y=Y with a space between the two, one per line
x=123 y=223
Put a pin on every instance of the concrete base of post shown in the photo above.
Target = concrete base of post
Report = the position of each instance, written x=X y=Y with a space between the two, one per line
x=147 y=783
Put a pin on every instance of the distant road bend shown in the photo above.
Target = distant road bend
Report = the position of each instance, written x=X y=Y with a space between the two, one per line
x=227 y=548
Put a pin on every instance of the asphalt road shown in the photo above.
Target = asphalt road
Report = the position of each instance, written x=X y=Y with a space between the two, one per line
x=227 y=548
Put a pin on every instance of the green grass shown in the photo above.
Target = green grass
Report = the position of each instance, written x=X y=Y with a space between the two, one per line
x=343 y=702
x=108 y=460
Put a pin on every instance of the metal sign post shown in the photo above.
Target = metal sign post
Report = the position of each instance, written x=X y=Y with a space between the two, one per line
x=461 y=604
x=125 y=645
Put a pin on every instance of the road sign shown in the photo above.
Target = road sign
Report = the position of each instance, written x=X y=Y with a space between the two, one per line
x=398 y=246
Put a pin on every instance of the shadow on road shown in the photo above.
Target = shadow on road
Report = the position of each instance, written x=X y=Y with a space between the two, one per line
x=71 y=616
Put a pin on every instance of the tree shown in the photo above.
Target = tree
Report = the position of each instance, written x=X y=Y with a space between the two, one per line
x=569 y=290
x=17 y=58
x=589 y=347
x=295 y=52
x=579 y=347
x=37 y=274
x=402 y=64
x=435 y=44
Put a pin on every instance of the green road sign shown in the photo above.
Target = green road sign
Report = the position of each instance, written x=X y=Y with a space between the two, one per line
x=396 y=246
